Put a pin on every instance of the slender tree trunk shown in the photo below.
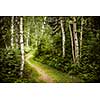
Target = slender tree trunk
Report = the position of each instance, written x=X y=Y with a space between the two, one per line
x=17 y=32
x=63 y=36
x=12 y=32
x=42 y=31
x=75 y=41
x=36 y=35
x=17 y=40
x=72 y=42
x=43 y=25
x=21 y=46
x=28 y=36
x=81 y=33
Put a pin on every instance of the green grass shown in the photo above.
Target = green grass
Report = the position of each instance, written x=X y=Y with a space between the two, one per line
x=58 y=76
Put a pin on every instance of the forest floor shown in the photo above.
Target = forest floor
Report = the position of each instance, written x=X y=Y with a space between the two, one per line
x=48 y=74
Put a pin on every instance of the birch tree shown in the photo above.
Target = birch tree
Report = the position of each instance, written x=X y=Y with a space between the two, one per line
x=21 y=46
x=12 y=32
x=63 y=36
x=17 y=31
x=76 y=45
x=81 y=33
x=72 y=42
x=28 y=30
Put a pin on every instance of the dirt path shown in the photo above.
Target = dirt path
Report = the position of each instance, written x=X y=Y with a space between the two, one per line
x=43 y=75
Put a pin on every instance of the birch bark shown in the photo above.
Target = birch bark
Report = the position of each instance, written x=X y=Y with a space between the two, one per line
x=75 y=41
x=72 y=42
x=63 y=37
x=21 y=46
x=81 y=33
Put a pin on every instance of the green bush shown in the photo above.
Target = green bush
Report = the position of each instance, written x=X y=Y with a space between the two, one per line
x=9 y=65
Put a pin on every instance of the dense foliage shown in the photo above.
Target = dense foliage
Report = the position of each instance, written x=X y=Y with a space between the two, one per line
x=43 y=36
x=9 y=65
x=89 y=67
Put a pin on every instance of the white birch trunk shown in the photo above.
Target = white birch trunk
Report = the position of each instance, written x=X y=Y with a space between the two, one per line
x=63 y=37
x=72 y=43
x=21 y=46
x=81 y=33
x=12 y=32
x=75 y=41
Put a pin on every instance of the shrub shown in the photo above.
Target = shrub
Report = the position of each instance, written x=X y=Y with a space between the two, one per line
x=9 y=65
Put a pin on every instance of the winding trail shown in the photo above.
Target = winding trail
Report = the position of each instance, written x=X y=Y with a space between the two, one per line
x=43 y=75
x=49 y=74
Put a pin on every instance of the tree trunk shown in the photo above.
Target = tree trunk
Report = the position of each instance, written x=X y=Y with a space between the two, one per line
x=75 y=41
x=63 y=36
x=72 y=42
x=28 y=36
x=43 y=25
x=36 y=35
x=17 y=32
x=17 y=41
x=21 y=46
x=81 y=33
x=12 y=32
